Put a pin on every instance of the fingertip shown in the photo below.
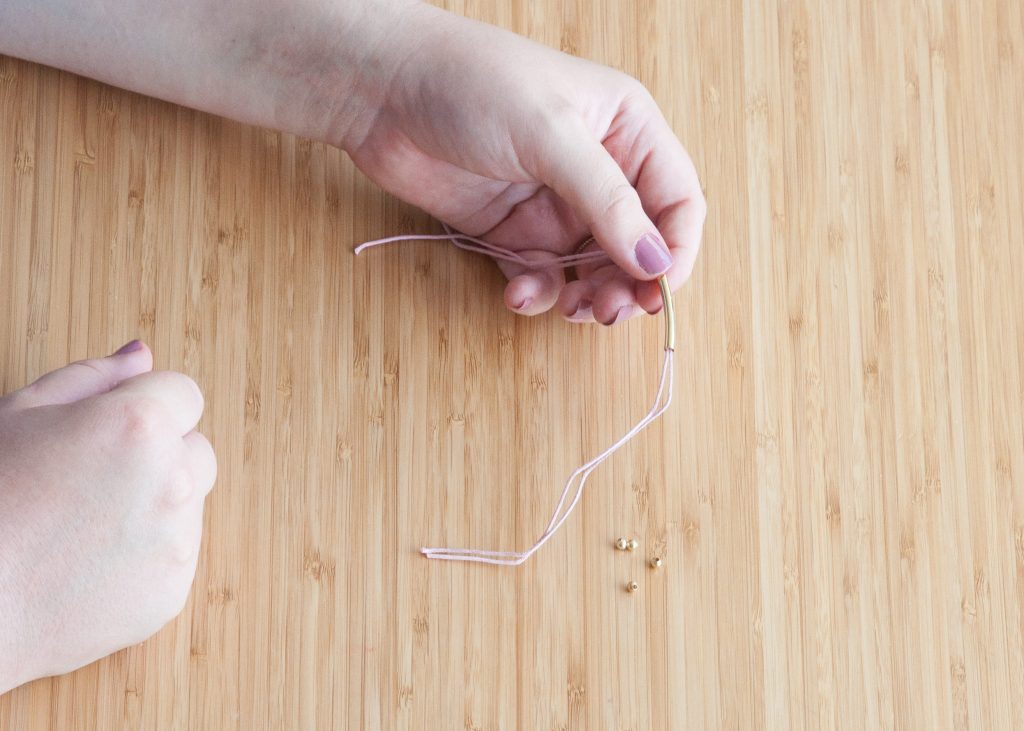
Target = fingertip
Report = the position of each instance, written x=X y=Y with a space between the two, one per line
x=576 y=302
x=135 y=356
x=648 y=294
x=179 y=394
x=91 y=377
x=614 y=300
x=582 y=171
x=584 y=312
x=652 y=254
x=621 y=315
x=531 y=293
x=533 y=287
x=643 y=256
x=130 y=347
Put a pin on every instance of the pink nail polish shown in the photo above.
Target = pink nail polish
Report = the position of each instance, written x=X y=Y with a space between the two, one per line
x=652 y=255
x=129 y=347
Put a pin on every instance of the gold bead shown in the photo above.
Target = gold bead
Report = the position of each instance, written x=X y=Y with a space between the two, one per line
x=633 y=544
x=656 y=562
x=632 y=587
x=622 y=544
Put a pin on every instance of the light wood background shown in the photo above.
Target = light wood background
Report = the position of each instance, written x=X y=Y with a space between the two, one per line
x=837 y=490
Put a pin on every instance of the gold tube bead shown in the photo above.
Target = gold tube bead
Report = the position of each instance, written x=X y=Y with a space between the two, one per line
x=670 y=314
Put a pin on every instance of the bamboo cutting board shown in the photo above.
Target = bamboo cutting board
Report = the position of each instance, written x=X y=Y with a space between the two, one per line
x=836 y=492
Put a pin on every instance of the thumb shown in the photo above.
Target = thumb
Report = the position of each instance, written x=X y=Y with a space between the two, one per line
x=579 y=169
x=86 y=378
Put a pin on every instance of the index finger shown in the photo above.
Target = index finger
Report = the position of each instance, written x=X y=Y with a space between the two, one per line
x=671 y=194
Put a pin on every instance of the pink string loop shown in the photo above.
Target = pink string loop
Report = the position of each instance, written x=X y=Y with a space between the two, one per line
x=578 y=478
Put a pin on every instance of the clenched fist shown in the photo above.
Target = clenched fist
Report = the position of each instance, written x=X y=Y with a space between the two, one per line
x=102 y=484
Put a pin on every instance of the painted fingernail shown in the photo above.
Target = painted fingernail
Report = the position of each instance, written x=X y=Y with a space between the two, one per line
x=652 y=254
x=130 y=347
x=583 y=310
x=525 y=303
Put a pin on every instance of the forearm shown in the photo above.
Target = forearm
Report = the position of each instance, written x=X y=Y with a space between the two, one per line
x=311 y=67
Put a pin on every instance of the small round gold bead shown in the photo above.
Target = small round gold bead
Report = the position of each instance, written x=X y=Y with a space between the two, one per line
x=633 y=544
x=632 y=587
x=656 y=562
x=622 y=544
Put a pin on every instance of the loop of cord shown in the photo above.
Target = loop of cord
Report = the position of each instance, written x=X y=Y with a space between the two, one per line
x=578 y=478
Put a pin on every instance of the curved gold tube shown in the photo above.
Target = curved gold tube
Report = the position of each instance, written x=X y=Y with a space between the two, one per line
x=670 y=314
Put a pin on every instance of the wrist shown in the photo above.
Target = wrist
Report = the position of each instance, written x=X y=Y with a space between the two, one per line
x=317 y=68
x=344 y=67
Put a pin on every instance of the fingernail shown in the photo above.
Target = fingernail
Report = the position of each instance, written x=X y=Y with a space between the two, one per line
x=129 y=347
x=620 y=314
x=652 y=254
x=583 y=310
x=525 y=303
x=623 y=313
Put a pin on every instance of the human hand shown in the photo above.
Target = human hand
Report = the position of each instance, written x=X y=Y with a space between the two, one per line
x=533 y=150
x=500 y=137
x=102 y=483
x=497 y=136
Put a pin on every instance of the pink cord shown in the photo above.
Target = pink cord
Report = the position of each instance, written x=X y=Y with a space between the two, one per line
x=580 y=475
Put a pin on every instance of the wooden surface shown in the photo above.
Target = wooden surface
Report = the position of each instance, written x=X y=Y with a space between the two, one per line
x=837 y=491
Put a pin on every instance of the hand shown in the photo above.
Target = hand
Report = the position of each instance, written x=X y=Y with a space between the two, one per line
x=497 y=136
x=102 y=483
x=534 y=150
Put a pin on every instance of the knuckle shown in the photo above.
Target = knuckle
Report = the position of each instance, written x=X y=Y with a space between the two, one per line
x=618 y=197
x=556 y=116
x=188 y=384
x=635 y=90
x=636 y=97
x=179 y=488
x=141 y=418
x=91 y=371
x=90 y=365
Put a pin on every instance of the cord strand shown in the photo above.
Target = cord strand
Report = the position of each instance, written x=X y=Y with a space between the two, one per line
x=662 y=399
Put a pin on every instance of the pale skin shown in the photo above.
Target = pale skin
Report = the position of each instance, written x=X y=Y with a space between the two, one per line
x=102 y=474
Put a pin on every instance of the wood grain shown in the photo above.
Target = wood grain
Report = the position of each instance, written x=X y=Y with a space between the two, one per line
x=837 y=491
